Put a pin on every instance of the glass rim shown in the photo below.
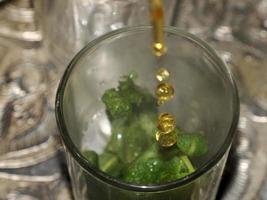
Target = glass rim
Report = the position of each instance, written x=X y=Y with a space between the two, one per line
x=77 y=155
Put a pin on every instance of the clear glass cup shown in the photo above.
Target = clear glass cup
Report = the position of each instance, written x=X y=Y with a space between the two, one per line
x=206 y=100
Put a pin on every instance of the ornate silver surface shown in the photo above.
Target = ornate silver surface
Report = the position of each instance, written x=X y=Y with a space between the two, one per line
x=18 y=21
x=32 y=164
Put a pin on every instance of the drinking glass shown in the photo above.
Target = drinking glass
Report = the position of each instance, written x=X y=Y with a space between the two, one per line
x=205 y=100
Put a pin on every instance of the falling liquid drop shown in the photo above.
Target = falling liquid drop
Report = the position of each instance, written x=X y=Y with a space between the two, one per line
x=166 y=139
x=166 y=123
x=164 y=92
x=162 y=74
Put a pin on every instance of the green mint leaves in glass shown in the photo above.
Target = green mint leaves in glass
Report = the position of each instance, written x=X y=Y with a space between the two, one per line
x=107 y=115
x=132 y=153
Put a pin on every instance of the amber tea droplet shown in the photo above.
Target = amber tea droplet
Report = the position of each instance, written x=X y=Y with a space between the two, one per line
x=159 y=49
x=164 y=92
x=162 y=74
x=166 y=123
x=166 y=140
